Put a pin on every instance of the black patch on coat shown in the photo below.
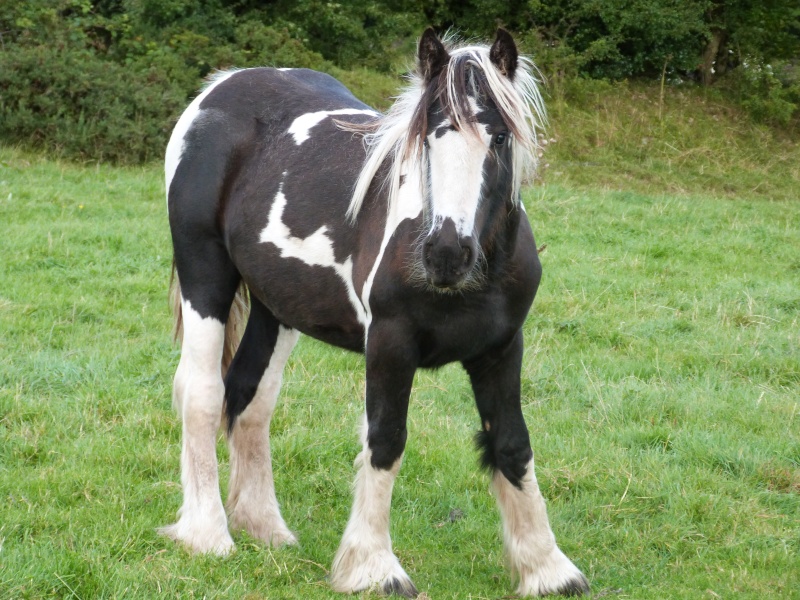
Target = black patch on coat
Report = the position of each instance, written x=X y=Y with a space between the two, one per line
x=237 y=155
x=251 y=361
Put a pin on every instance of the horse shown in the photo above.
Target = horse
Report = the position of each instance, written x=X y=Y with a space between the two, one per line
x=296 y=208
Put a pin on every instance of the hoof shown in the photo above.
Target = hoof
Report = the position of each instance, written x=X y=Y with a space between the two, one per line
x=355 y=571
x=199 y=540
x=576 y=587
x=400 y=587
x=271 y=531
x=556 y=575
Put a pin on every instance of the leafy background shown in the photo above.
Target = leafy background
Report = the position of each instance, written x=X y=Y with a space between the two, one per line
x=105 y=80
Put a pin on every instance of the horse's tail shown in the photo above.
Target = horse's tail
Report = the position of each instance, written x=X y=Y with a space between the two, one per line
x=234 y=328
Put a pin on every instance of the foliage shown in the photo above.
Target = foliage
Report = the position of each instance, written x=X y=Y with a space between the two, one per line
x=76 y=104
x=148 y=57
x=615 y=41
x=768 y=92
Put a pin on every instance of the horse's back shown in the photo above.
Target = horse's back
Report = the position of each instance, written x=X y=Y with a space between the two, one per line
x=241 y=109
x=265 y=172
x=277 y=95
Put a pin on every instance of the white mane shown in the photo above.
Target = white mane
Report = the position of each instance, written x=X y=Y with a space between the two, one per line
x=391 y=135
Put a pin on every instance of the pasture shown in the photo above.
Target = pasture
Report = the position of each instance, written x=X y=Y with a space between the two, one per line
x=661 y=387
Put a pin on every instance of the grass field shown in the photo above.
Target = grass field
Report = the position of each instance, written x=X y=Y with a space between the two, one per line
x=661 y=387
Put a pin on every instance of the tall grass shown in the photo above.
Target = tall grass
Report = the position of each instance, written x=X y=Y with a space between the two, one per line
x=627 y=136
x=660 y=385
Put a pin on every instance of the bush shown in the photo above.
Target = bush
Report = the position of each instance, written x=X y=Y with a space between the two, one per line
x=770 y=93
x=260 y=45
x=105 y=79
x=75 y=104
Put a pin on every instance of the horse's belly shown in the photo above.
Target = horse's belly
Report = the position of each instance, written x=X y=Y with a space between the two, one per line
x=315 y=299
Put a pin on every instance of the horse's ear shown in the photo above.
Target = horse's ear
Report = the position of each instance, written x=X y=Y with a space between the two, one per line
x=504 y=53
x=432 y=55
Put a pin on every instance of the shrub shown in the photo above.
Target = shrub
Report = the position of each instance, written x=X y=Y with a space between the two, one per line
x=72 y=103
x=770 y=93
x=260 y=45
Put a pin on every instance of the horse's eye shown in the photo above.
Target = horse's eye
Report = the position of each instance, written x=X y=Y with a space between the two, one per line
x=499 y=139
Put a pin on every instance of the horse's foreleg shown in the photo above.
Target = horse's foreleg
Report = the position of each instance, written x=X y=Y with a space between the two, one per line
x=535 y=559
x=198 y=397
x=365 y=559
x=252 y=387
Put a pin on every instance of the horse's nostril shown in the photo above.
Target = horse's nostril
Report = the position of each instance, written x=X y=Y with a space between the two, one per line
x=466 y=254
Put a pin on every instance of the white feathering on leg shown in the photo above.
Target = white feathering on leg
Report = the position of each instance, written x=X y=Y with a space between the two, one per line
x=535 y=559
x=365 y=559
x=198 y=396
x=252 y=503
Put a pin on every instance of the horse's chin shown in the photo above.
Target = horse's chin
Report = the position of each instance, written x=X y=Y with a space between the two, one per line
x=454 y=288
x=471 y=282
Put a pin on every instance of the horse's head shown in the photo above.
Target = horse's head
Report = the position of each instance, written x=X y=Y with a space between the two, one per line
x=465 y=130
x=477 y=132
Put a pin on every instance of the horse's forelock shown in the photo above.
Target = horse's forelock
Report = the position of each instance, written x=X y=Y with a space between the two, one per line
x=459 y=81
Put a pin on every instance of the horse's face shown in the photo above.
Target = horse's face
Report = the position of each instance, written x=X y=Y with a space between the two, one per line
x=469 y=178
x=467 y=156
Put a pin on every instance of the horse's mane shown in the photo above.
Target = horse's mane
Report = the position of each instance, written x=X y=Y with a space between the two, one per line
x=399 y=134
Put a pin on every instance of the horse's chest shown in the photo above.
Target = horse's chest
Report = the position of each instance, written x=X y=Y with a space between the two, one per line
x=464 y=332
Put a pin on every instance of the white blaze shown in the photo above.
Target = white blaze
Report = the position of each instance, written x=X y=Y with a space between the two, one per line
x=456 y=177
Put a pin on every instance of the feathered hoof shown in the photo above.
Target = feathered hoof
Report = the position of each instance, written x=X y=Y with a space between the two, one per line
x=577 y=587
x=201 y=540
x=398 y=587
x=355 y=571
x=554 y=576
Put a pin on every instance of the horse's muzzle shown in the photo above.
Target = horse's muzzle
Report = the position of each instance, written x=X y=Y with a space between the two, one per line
x=448 y=259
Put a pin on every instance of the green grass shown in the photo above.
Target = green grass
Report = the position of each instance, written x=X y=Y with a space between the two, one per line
x=661 y=387
x=691 y=140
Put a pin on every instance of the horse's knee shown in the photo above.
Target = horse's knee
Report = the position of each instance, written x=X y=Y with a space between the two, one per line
x=508 y=453
x=201 y=405
x=386 y=442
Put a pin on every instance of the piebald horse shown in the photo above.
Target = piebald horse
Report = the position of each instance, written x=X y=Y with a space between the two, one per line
x=398 y=235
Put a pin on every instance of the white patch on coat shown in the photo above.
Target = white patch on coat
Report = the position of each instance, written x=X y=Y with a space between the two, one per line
x=365 y=559
x=456 y=177
x=177 y=141
x=302 y=125
x=408 y=206
x=535 y=560
x=252 y=503
x=315 y=250
x=198 y=397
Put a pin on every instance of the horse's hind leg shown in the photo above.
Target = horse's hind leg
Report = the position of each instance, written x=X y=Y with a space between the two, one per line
x=251 y=390
x=535 y=559
x=198 y=396
x=208 y=282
